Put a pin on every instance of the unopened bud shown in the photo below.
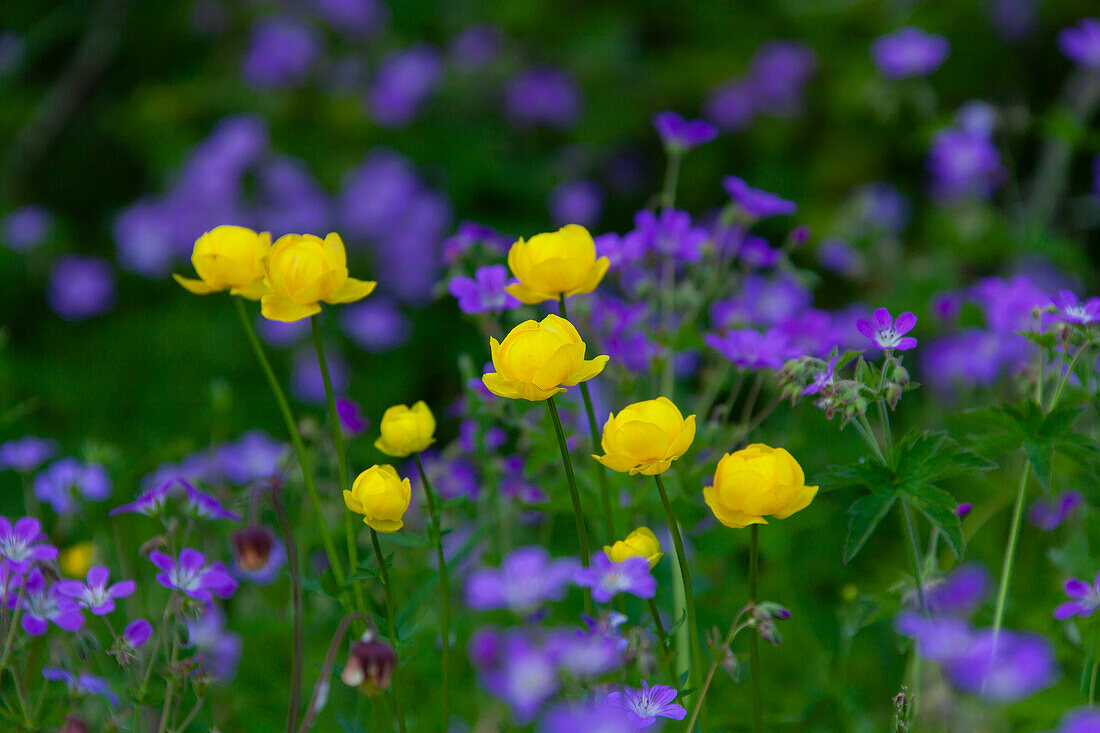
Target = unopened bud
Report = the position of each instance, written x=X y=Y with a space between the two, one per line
x=73 y=724
x=253 y=546
x=963 y=509
x=769 y=632
x=370 y=665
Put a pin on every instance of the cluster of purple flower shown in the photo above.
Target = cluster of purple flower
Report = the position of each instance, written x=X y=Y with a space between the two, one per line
x=773 y=85
x=963 y=161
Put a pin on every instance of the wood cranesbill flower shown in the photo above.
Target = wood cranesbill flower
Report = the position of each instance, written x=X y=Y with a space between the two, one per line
x=909 y=52
x=193 y=576
x=1084 y=599
x=229 y=258
x=302 y=270
x=406 y=430
x=381 y=496
x=646 y=437
x=96 y=595
x=887 y=333
x=646 y=704
x=756 y=203
x=526 y=579
x=679 y=134
x=539 y=359
x=24 y=544
x=44 y=603
x=756 y=482
x=555 y=264
x=26 y=454
x=639 y=543
x=607 y=578
x=83 y=684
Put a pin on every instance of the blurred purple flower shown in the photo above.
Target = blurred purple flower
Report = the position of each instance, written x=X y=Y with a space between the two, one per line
x=543 y=96
x=525 y=580
x=964 y=165
x=762 y=301
x=1085 y=598
x=23 y=544
x=587 y=654
x=351 y=416
x=143 y=239
x=755 y=252
x=290 y=199
x=731 y=106
x=137 y=632
x=576 y=202
x=475 y=46
x=451 y=478
x=43 y=604
x=977 y=116
x=484 y=292
x=646 y=704
x=607 y=578
x=779 y=72
x=595 y=716
x=886 y=333
x=1014 y=19
x=26 y=454
x=679 y=134
x=1081 y=720
x=515 y=669
x=27 y=227
x=81 y=287
x=1047 y=513
x=402 y=83
x=471 y=234
x=946 y=306
x=909 y=52
x=375 y=325
x=973 y=357
x=216 y=649
x=883 y=207
x=252 y=457
x=85 y=684
x=96 y=595
x=960 y=592
x=823 y=380
x=839 y=257
x=60 y=483
x=204 y=506
x=748 y=348
x=757 y=203
x=282 y=333
x=1074 y=310
x=668 y=234
x=514 y=483
x=307 y=381
x=354 y=18
x=152 y=502
x=192 y=575
x=1081 y=43
x=280 y=53
x=376 y=194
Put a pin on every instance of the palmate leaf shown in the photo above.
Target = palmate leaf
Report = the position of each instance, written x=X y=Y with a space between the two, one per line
x=866 y=513
x=939 y=507
x=926 y=458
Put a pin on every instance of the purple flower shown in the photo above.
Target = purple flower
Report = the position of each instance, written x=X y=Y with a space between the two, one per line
x=450 y=478
x=756 y=203
x=1086 y=599
x=26 y=454
x=143 y=239
x=290 y=199
x=755 y=251
x=964 y=509
x=1049 y=512
x=376 y=324
x=81 y=287
x=882 y=207
x=85 y=684
x=403 y=82
x=137 y=632
x=26 y=228
x=152 y=502
x=732 y=106
x=351 y=416
x=668 y=234
x=946 y=306
x=762 y=301
x=42 y=604
x=1076 y=311
x=596 y=716
x=471 y=234
x=193 y=576
x=96 y=595
x=282 y=333
x=824 y=379
x=24 y=544
x=607 y=578
x=886 y=333
x=681 y=135
x=909 y=52
x=1081 y=43
x=252 y=457
x=280 y=53
x=959 y=593
x=1081 y=720
x=752 y=349
x=484 y=292
x=514 y=483
x=542 y=96
x=354 y=18
x=475 y=46
x=526 y=579
x=204 y=506
x=306 y=380
x=64 y=479
x=217 y=649
x=515 y=669
x=10 y=583
x=587 y=654
x=646 y=704
x=964 y=164
x=576 y=202
x=837 y=256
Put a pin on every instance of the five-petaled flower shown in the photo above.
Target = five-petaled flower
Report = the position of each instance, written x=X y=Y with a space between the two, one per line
x=24 y=544
x=1085 y=598
x=644 y=705
x=44 y=603
x=193 y=576
x=886 y=332
x=96 y=595
x=608 y=578
x=1075 y=310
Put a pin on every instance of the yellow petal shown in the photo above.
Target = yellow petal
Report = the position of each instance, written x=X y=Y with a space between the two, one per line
x=275 y=307
x=385 y=526
x=500 y=386
x=198 y=287
x=526 y=295
x=254 y=291
x=800 y=502
x=617 y=462
x=588 y=369
x=352 y=291
x=555 y=370
x=335 y=254
x=726 y=516
x=683 y=441
x=352 y=503
x=324 y=287
x=653 y=468
x=593 y=278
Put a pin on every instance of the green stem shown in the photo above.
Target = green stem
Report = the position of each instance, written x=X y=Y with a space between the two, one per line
x=341 y=459
x=1010 y=549
x=735 y=628
x=390 y=623
x=689 y=596
x=754 y=639
x=444 y=585
x=574 y=494
x=662 y=635
x=672 y=177
x=1065 y=378
x=174 y=658
x=299 y=448
x=1092 y=682
x=915 y=554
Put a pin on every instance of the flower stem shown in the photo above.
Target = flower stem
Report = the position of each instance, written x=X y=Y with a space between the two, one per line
x=754 y=640
x=296 y=596
x=299 y=448
x=444 y=585
x=578 y=515
x=915 y=555
x=735 y=628
x=605 y=489
x=685 y=573
x=390 y=623
x=1010 y=549
x=662 y=635
x=320 y=689
x=170 y=692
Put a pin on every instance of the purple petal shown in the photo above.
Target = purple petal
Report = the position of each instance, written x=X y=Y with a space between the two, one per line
x=904 y=323
x=162 y=561
x=882 y=320
x=33 y=625
x=1068 y=609
x=69 y=620
x=164 y=580
x=905 y=343
x=138 y=632
x=121 y=589
x=28 y=528
x=1077 y=588
x=70 y=588
x=98 y=576
x=864 y=327
x=191 y=560
x=103 y=608
x=673 y=711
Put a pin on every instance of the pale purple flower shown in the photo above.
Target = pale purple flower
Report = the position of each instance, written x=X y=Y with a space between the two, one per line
x=576 y=202
x=882 y=207
x=484 y=292
x=26 y=454
x=607 y=578
x=217 y=649
x=977 y=116
x=837 y=256
x=404 y=81
x=964 y=164
x=670 y=234
x=886 y=333
x=252 y=457
x=137 y=632
x=376 y=324
x=450 y=477
x=96 y=595
x=354 y=18
x=1085 y=599
x=84 y=684
x=24 y=544
x=515 y=669
x=144 y=239
x=587 y=654
x=543 y=96
x=475 y=46
x=280 y=53
x=824 y=379
x=1080 y=720
x=27 y=227
x=351 y=416
x=289 y=198
x=81 y=287
x=469 y=235
x=909 y=52
x=193 y=575
x=1074 y=310
x=60 y=483
x=42 y=604
x=751 y=349
x=644 y=705
x=946 y=306
x=1047 y=513
x=307 y=381
x=204 y=506
x=282 y=333
x=1081 y=43
x=526 y=579
x=680 y=134
x=595 y=716
x=960 y=592
x=1003 y=667
x=757 y=203
x=151 y=503
x=755 y=251
x=762 y=301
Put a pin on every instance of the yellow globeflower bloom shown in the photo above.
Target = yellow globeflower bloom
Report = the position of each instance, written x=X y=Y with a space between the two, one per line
x=75 y=560
x=755 y=482
x=302 y=270
x=381 y=496
x=639 y=543
x=646 y=437
x=229 y=258
x=406 y=430
x=539 y=359
x=548 y=265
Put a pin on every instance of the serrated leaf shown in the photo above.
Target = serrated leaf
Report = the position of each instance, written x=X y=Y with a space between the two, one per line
x=927 y=458
x=866 y=514
x=939 y=507
x=866 y=472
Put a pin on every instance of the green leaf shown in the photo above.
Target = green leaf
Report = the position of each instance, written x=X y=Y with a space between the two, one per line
x=930 y=457
x=939 y=507
x=866 y=472
x=866 y=514
x=313 y=585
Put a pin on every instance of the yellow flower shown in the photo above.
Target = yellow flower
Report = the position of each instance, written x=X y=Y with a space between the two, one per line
x=381 y=496
x=646 y=437
x=550 y=264
x=639 y=543
x=75 y=560
x=406 y=430
x=539 y=359
x=229 y=258
x=755 y=482
x=303 y=270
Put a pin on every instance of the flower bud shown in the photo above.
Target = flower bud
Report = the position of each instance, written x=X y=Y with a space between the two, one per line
x=770 y=610
x=646 y=437
x=253 y=546
x=381 y=496
x=769 y=632
x=406 y=430
x=73 y=724
x=370 y=665
x=639 y=543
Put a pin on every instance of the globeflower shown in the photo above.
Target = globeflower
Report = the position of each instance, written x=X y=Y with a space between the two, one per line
x=381 y=496
x=755 y=482
x=406 y=430
x=301 y=271
x=555 y=264
x=646 y=437
x=539 y=359
x=229 y=258
x=639 y=543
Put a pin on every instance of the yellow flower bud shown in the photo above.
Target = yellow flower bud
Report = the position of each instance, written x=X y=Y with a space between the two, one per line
x=75 y=560
x=755 y=482
x=303 y=270
x=381 y=496
x=646 y=437
x=406 y=430
x=639 y=543
x=548 y=265
x=229 y=258
x=539 y=359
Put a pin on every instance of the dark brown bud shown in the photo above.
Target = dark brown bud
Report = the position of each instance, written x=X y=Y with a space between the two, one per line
x=253 y=545
x=370 y=665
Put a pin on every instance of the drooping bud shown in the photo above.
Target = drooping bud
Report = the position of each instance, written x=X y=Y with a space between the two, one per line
x=963 y=509
x=73 y=724
x=370 y=665
x=253 y=546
